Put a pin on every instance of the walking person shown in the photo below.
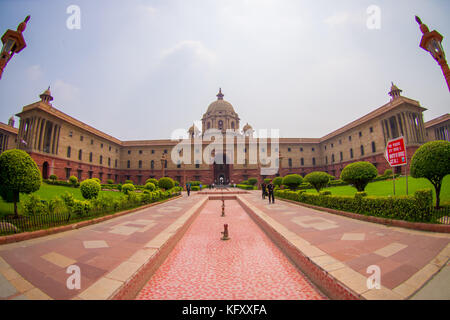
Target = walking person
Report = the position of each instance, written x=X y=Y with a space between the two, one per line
x=270 y=188
x=263 y=189
x=188 y=188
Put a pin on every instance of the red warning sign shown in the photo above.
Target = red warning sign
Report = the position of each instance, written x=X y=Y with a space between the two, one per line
x=396 y=152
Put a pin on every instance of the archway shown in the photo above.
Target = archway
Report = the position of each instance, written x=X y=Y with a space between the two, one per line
x=45 y=170
x=221 y=170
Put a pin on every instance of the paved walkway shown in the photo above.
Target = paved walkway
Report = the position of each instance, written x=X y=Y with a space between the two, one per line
x=107 y=254
x=248 y=266
x=347 y=247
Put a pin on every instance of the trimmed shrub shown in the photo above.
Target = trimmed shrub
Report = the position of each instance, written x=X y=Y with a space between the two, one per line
x=194 y=183
x=53 y=177
x=90 y=188
x=359 y=174
x=325 y=193
x=245 y=186
x=81 y=207
x=98 y=180
x=110 y=181
x=18 y=174
x=252 y=181
x=267 y=181
x=278 y=181
x=318 y=179
x=152 y=180
x=73 y=181
x=388 y=173
x=166 y=183
x=34 y=206
x=432 y=161
x=150 y=186
x=292 y=181
x=127 y=188
x=129 y=182
x=195 y=188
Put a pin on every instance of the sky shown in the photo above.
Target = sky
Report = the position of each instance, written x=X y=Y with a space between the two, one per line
x=140 y=69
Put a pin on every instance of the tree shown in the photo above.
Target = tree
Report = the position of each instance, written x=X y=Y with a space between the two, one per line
x=432 y=161
x=318 y=179
x=359 y=174
x=90 y=188
x=292 y=181
x=73 y=181
x=152 y=180
x=127 y=188
x=278 y=181
x=166 y=183
x=150 y=186
x=18 y=174
x=53 y=177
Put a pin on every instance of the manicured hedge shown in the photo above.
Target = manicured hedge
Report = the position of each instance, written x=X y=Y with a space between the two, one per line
x=415 y=208
x=246 y=187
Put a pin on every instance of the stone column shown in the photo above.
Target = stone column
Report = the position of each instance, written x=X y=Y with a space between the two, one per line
x=57 y=139
x=53 y=139
x=42 y=133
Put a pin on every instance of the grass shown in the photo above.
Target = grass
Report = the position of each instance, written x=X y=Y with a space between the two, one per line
x=385 y=188
x=48 y=192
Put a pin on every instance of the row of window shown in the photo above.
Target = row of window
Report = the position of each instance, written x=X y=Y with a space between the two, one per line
x=80 y=157
x=153 y=151
x=92 y=142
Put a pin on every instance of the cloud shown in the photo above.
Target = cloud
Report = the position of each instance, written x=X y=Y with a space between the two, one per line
x=65 y=92
x=189 y=50
x=34 y=72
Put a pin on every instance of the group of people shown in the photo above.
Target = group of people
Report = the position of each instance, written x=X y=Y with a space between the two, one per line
x=268 y=190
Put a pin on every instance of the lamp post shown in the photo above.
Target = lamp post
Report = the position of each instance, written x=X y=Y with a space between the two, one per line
x=163 y=164
x=13 y=42
x=432 y=42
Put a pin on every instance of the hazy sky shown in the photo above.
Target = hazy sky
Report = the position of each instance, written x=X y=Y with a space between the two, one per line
x=140 y=69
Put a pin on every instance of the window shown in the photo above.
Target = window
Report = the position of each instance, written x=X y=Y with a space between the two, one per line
x=371 y=129
x=340 y=141
x=67 y=173
x=314 y=161
x=301 y=149
x=109 y=163
x=115 y=164
x=90 y=157
x=289 y=149
x=140 y=164
x=128 y=164
x=109 y=150
x=80 y=154
x=197 y=164
x=332 y=158
x=362 y=150
x=325 y=147
x=69 y=149
x=129 y=151
x=232 y=125
x=165 y=164
x=70 y=134
x=302 y=162
x=374 y=149
x=101 y=159
x=326 y=159
x=101 y=145
x=349 y=138
x=290 y=162
x=92 y=141
x=360 y=134
x=100 y=176
x=79 y=172
x=341 y=155
x=139 y=179
x=90 y=174
x=312 y=149
x=332 y=145
x=153 y=151
x=140 y=151
x=81 y=138
x=165 y=150
x=152 y=164
x=351 y=153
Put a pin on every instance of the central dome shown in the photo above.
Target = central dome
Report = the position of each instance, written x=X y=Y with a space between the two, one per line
x=220 y=105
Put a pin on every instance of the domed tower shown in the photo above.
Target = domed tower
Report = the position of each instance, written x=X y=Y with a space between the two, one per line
x=220 y=115
x=46 y=96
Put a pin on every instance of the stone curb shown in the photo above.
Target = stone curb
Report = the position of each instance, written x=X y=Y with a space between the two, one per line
x=442 y=228
x=41 y=233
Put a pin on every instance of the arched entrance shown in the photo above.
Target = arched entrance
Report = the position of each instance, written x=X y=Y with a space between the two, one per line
x=221 y=170
x=45 y=170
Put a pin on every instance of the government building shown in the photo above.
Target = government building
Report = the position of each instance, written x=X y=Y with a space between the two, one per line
x=65 y=146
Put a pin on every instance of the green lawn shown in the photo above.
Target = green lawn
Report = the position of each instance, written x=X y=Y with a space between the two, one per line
x=385 y=188
x=48 y=192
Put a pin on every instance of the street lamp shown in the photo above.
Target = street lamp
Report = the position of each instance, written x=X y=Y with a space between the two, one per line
x=13 y=42
x=431 y=42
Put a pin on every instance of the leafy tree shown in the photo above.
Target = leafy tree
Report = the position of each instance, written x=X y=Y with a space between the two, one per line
x=252 y=181
x=318 y=179
x=73 y=180
x=90 y=188
x=53 y=177
x=359 y=174
x=166 y=183
x=278 y=181
x=98 y=180
x=387 y=173
x=432 y=161
x=292 y=181
x=150 y=186
x=152 y=180
x=18 y=174
x=127 y=188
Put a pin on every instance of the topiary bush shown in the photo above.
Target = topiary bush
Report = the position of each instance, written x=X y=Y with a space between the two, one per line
x=129 y=182
x=267 y=180
x=150 y=186
x=252 y=181
x=98 y=180
x=18 y=174
x=73 y=181
x=127 y=188
x=90 y=188
x=152 y=180
x=432 y=161
x=292 y=181
x=110 y=181
x=166 y=183
x=318 y=179
x=278 y=181
x=388 y=173
x=359 y=174
x=53 y=177
x=34 y=206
